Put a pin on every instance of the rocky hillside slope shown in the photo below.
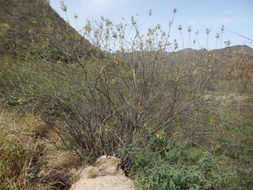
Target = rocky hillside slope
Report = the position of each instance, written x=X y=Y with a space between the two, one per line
x=33 y=24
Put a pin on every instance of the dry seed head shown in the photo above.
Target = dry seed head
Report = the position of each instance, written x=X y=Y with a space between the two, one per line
x=208 y=31
x=189 y=29
x=180 y=28
x=114 y=35
x=108 y=23
x=222 y=28
x=88 y=28
x=150 y=12
x=133 y=21
x=63 y=6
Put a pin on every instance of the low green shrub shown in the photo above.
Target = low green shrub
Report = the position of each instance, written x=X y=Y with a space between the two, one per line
x=165 y=164
x=237 y=145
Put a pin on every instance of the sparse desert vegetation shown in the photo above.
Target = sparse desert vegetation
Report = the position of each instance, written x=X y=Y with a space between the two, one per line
x=177 y=119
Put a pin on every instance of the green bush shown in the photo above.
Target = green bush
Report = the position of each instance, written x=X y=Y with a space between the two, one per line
x=165 y=164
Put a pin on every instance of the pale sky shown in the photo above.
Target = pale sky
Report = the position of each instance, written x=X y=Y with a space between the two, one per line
x=236 y=15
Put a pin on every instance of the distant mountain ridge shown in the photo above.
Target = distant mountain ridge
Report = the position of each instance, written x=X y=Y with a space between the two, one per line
x=237 y=49
x=192 y=55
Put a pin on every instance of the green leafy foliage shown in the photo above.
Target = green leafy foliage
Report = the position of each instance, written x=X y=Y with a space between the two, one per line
x=165 y=164
x=237 y=145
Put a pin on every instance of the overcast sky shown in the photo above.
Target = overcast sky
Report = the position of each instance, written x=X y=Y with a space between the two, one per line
x=236 y=15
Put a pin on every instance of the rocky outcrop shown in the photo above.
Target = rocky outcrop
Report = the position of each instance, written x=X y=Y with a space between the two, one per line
x=105 y=175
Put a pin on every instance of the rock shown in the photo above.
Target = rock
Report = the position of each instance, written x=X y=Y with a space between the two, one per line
x=105 y=175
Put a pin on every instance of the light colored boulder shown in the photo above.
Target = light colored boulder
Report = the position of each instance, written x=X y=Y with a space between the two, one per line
x=105 y=175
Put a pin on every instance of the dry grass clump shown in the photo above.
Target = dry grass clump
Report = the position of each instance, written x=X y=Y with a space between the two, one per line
x=29 y=158
x=15 y=155
x=63 y=159
x=93 y=172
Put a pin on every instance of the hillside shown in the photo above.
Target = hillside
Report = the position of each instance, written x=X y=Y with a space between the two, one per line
x=32 y=25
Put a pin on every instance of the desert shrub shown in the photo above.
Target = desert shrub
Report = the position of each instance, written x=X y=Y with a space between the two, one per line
x=107 y=102
x=104 y=102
